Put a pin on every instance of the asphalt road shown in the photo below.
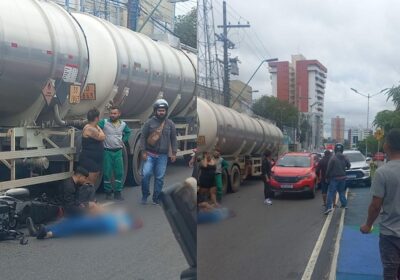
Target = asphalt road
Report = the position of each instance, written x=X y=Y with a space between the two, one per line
x=149 y=253
x=261 y=242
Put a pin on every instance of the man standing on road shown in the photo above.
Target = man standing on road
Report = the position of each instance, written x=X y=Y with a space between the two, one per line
x=117 y=132
x=266 y=166
x=336 y=174
x=221 y=165
x=321 y=173
x=385 y=191
x=157 y=138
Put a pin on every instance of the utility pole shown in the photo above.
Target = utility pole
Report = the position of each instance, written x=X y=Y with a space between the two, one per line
x=227 y=45
x=368 y=96
x=208 y=67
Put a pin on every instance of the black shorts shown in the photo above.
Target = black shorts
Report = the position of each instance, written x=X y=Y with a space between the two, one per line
x=92 y=163
x=207 y=182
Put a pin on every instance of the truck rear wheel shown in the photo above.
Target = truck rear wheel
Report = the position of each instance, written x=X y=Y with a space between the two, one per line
x=235 y=178
x=137 y=163
x=225 y=181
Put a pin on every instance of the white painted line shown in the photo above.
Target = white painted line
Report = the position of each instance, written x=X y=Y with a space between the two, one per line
x=317 y=249
x=332 y=273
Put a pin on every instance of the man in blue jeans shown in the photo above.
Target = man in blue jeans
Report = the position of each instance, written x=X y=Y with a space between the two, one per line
x=157 y=138
x=336 y=175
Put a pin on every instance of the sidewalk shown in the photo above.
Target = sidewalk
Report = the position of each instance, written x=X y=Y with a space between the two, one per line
x=359 y=253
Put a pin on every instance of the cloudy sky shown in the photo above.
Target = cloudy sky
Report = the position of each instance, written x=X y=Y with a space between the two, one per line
x=356 y=40
x=182 y=8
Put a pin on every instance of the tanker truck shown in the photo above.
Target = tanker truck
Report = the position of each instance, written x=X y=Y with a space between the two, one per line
x=240 y=138
x=56 y=65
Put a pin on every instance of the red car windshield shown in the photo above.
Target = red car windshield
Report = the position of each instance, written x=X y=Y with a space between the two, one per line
x=294 y=161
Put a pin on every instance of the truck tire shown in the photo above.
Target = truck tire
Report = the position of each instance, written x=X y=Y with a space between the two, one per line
x=235 y=179
x=125 y=160
x=137 y=164
x=99 y=181
x=225 y=181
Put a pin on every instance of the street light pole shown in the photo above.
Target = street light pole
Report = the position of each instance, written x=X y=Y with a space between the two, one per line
x=368 y=96
x=252 y=76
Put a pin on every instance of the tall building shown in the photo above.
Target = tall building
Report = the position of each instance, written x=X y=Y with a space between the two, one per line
x=354 y=135
x=337 y=125
x=365 y=133
x=301 y=82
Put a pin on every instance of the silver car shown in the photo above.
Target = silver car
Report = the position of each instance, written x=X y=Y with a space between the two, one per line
x=359 y=172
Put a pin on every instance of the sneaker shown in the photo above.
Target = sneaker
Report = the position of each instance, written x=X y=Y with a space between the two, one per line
x=118 y=196
x=41 y=233
x=268 y=201
x=31 y=227
x=327 y=211
x=143 y=201
x=156 y=202
x=108 y=196
x=343 y=207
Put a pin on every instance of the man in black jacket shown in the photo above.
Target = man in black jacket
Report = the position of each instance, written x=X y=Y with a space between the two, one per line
x=321 y=173
x=77 y=196
x=336 y=174
x=156 y=152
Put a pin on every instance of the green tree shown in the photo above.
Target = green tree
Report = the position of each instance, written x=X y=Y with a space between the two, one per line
x=281 y=112
x=186 y=28
x=372 y=145
x=387 y=120
x=394 y=94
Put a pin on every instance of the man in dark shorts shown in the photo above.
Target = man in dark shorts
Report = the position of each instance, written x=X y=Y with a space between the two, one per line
x=385 y=191
x=266 y=166
x=321 y=173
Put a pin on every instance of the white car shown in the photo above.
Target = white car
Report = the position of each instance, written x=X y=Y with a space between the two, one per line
x=359 y=172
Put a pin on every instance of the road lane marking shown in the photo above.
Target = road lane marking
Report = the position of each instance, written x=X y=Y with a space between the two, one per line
x=308 y=272
x=332 y=272
x=317 y=249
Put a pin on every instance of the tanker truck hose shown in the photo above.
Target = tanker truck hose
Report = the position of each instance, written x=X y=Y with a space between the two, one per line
x=61 y=122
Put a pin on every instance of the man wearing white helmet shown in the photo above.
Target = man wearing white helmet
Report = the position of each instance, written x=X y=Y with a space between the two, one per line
x=158 y=136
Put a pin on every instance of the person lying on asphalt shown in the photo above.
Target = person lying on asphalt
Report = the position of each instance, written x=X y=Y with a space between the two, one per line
x=106 y=222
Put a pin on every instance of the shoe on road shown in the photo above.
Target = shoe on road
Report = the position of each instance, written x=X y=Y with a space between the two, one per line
x=31 y=227
x=268 y=201
x=327 y=211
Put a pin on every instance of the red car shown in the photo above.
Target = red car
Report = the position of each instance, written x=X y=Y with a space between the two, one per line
x=295 y=173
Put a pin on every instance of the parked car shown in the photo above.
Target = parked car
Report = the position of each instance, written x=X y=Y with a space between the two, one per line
x=295 y=173
x=359 y=172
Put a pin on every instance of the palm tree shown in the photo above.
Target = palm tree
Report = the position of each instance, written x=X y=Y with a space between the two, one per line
x=394 y=94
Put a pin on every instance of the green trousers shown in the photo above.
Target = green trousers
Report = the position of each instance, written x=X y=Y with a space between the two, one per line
x=113 y=165
x=218 y=182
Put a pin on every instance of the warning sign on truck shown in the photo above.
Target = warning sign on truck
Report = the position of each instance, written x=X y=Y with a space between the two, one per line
x=48 y=91
x=74 y=94
x=89 y=93
x=70 y=73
